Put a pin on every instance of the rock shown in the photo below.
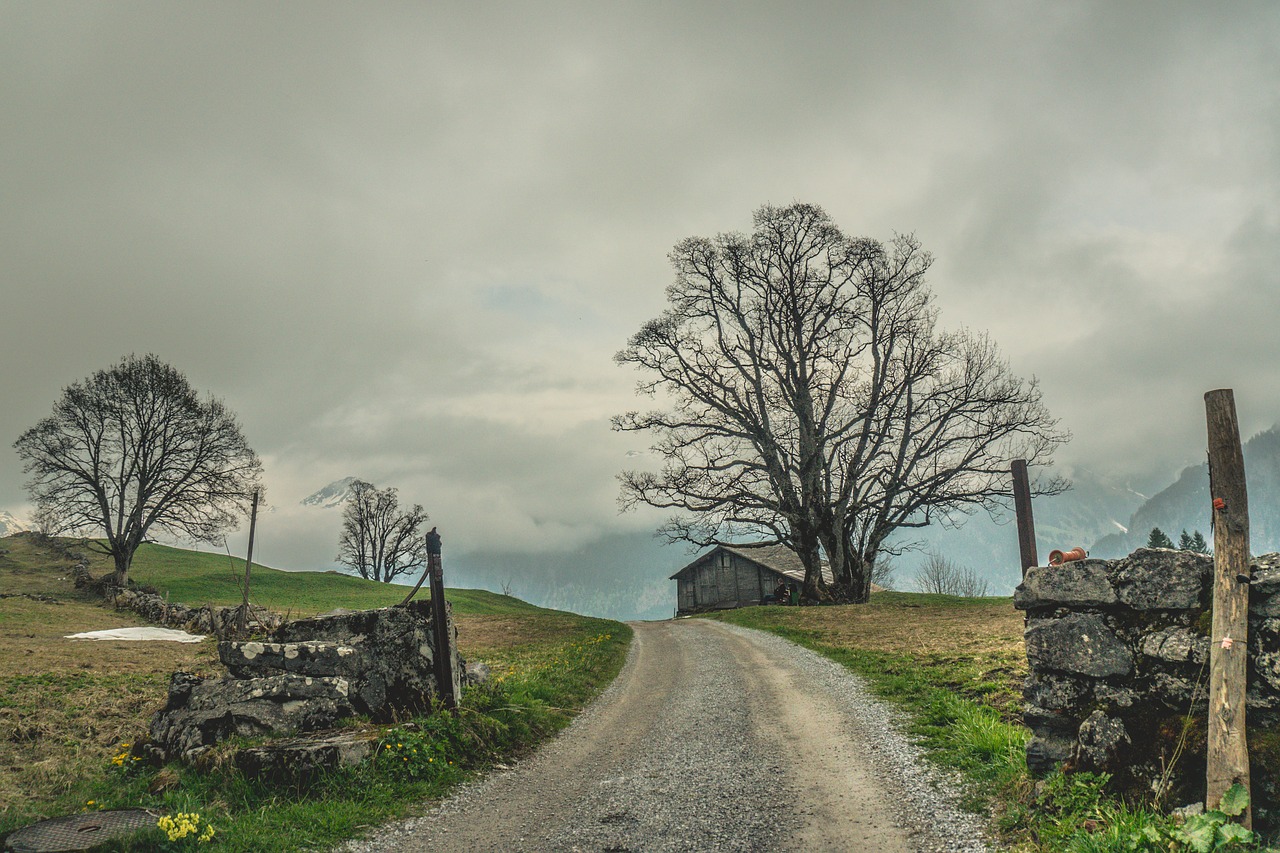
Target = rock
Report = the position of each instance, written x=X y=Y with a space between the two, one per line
x=1045 y=752
x=475 y=672
x=1100 y=743
x=1077 y=643
x=1055 y=692
x=1159 y=579
x=1083 y=583
x=1180 y=645
x=203 y=712
x=301 y=759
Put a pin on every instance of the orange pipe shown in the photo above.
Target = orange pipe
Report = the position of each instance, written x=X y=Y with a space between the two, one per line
x=1057 y=558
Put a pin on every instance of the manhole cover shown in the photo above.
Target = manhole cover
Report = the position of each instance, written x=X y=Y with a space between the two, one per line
x=79 y=832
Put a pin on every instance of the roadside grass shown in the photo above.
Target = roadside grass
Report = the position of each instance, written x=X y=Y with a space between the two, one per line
x=67 y=708
x=957 y=666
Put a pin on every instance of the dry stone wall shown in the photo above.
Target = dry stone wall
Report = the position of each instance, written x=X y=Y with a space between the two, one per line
x=306 y=676
x=1118 y=652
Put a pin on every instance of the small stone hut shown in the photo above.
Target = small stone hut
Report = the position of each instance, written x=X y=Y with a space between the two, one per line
x=730 y=576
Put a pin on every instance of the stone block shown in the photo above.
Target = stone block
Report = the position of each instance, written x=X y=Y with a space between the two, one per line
x=1101 y=743
x=1176 y=645
x=252 y=659
x=1266 y=575
x=1160 y=579
x=300 y=759
x=1045 y=752
x=1083 y=583
x=1056 y=692
x=1078 y=643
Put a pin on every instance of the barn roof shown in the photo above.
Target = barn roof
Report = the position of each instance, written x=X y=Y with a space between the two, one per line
x=776 y=558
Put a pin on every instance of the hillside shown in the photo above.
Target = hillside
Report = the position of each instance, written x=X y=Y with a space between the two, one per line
x=1184 y=505
x=66 y=707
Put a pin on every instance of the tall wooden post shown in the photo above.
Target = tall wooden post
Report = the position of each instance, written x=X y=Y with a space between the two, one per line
x=1228 y=751
x=440 y=623
x=242 y=622
x=1022 y=508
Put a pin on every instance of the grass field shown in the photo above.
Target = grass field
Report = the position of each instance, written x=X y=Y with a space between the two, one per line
x=66 y=706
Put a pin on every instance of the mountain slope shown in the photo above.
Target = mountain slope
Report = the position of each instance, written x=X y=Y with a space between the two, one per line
x=1185 y=505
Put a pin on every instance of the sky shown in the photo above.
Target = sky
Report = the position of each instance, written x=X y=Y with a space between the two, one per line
x=402 y=241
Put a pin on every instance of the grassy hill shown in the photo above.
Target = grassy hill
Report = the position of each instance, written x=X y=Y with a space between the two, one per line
x=67 y=706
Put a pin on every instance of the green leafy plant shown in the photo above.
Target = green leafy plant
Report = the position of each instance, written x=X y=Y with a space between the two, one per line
x=1209 y=832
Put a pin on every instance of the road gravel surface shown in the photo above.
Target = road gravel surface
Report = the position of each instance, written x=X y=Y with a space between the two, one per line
x=712 y=738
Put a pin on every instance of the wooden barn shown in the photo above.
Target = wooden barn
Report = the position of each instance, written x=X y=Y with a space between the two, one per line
x=735 y=576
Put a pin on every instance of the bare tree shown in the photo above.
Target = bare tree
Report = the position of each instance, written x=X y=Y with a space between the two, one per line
x=815 y=403
x=133 y=449
x=378 y=540
x=944 y=577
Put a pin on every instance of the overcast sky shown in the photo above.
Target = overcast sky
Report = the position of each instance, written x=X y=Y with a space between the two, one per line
x=403 y=241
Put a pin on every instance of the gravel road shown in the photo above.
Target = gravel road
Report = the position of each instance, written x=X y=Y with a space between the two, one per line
x=713 y=738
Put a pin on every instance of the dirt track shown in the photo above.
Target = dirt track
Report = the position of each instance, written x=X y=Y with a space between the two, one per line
x=712 y=738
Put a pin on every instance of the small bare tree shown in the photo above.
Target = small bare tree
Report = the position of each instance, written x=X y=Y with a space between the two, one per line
x=378 y=540
x=942 y=576
x=133 y=449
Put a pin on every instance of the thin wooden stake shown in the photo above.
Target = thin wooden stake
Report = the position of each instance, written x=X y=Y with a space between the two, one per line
x=1022 y=508
x=1228 y=750
x=242 y=623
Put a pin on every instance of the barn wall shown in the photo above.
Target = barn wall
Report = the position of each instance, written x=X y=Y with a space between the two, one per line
x=711 y=584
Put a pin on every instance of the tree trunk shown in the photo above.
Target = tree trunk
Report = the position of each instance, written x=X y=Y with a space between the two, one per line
x=122 y=561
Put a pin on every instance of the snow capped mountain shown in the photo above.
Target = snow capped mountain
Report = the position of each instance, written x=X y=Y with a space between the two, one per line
x=331 y=495
x=10 y=525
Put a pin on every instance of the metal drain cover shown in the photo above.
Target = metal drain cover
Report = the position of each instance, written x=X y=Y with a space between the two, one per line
x=78 y=832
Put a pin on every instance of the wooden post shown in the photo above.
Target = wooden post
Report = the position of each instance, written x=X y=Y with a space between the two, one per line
x=1228 y=751
x=440 y=623
x=242 y=623
x=1022 y=508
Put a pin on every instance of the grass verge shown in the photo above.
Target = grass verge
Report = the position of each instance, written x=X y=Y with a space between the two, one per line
x=68 y=708
x=957 y=666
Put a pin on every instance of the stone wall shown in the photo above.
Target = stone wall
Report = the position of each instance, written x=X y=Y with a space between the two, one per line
x=1118 y=652
x=306 y=676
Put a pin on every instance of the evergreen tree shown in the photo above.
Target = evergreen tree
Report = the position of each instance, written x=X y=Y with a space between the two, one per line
x=1185 y=542
x=1158 y=539
x=1198 y=544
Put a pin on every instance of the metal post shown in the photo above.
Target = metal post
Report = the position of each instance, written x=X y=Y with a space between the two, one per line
x=1227 y=760
x=1022 y=508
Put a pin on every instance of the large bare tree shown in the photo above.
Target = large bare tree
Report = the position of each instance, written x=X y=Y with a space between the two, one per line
x=378 y=540
x=814 y=402
x=133 y=449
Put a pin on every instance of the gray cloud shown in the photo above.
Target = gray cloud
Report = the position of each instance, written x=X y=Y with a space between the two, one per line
x=403 y=241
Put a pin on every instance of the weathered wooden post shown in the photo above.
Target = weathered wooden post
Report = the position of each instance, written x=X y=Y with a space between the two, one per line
x=1022 y=509
x=440 y=623
x=1228 y=751
x=242 y=621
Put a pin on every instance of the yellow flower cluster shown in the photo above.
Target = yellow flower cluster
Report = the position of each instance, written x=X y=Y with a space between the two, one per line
x=185 y=825
x=124 y=759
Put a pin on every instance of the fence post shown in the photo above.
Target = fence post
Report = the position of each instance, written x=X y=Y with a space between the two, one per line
x=1022 y=508
x=1228 y=751
x=242 y=619
x=440 y=623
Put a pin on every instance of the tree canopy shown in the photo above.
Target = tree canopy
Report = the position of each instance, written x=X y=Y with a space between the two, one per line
x=1157 y=538
x=815 y=402
x=133 y=449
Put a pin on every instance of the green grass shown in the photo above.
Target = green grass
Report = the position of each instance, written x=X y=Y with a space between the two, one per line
x=67 y=707
x=196 y=577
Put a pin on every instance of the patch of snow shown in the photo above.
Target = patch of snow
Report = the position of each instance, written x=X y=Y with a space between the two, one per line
x=334 y=494
x=145 y=633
